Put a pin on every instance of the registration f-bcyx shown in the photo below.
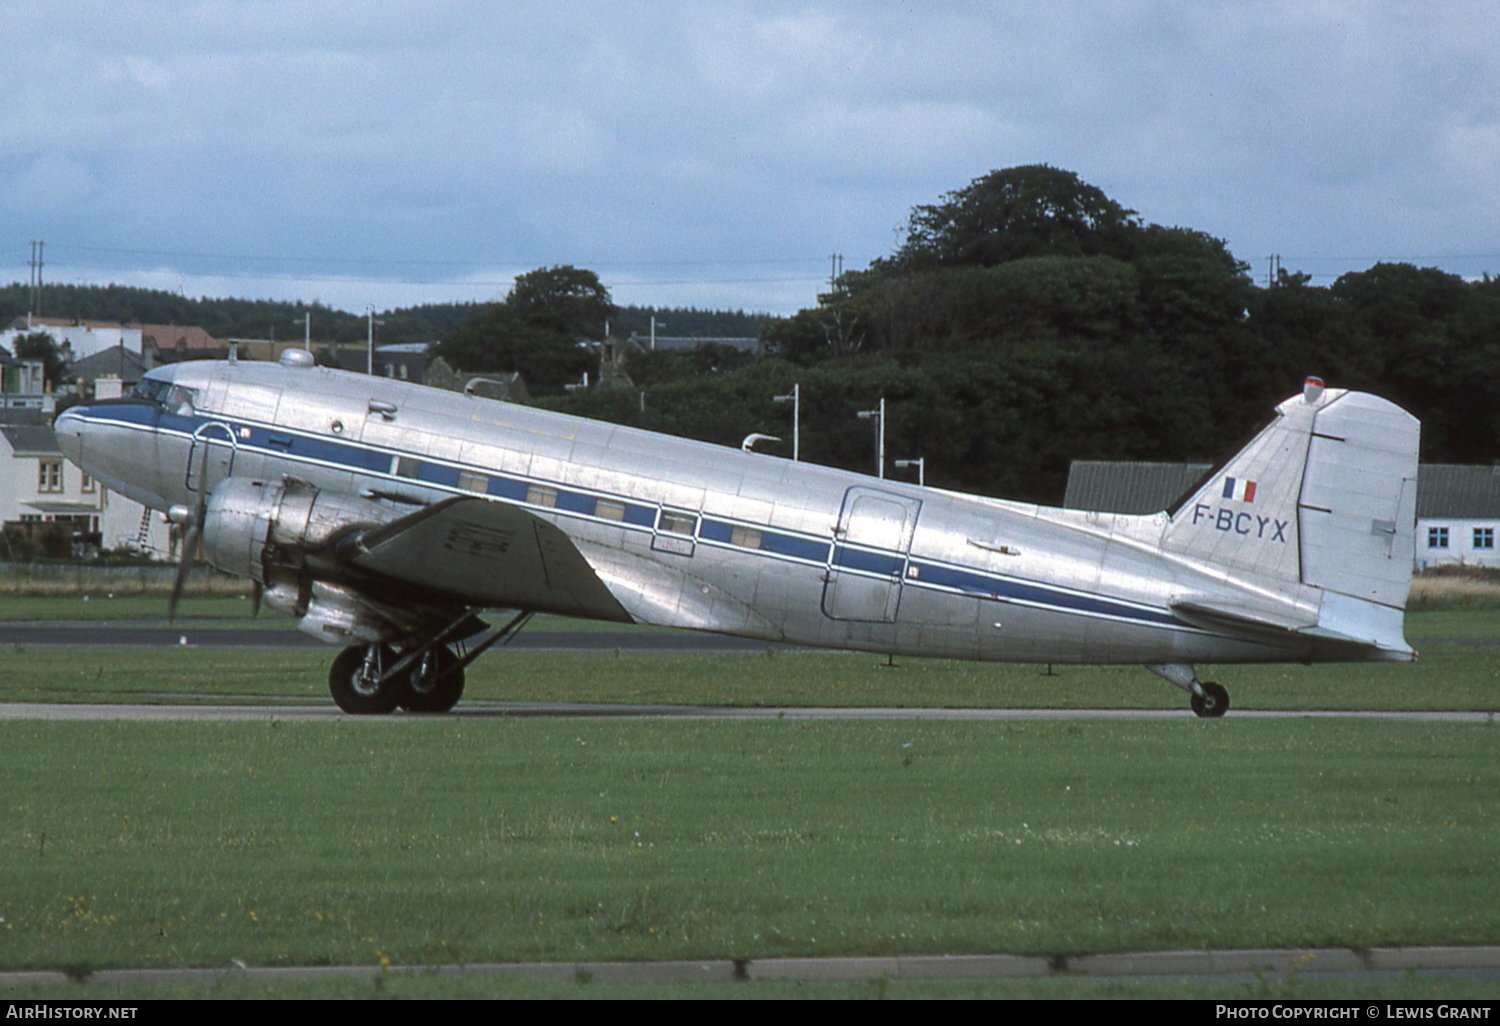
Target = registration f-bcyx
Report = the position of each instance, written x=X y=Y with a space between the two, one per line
x=386 y=516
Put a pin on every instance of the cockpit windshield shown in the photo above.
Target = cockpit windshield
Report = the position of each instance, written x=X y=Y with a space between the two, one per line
x=156 y=391
x=166 y=394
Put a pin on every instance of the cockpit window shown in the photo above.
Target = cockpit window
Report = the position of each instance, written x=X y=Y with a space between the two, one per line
x=156 y=391
x=168 y=396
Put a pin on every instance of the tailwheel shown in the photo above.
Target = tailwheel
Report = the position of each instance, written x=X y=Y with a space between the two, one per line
x=1214 y=701
x=355 y=682
x=435 y=683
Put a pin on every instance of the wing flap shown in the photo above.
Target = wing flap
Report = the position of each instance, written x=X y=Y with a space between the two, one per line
x=488 y=554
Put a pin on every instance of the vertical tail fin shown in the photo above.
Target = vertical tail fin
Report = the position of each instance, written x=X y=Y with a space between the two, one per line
x=1324 y=497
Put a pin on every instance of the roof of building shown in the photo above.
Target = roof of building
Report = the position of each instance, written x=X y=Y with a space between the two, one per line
x=1121 y=487
x=1458 y=491
x=117 y=361
x=1453 y=490
x=747 y=343
x=31 y=439
x=179 y=336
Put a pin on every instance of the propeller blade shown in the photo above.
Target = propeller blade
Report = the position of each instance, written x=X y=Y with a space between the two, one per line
x=184 y=566
x=256 y=591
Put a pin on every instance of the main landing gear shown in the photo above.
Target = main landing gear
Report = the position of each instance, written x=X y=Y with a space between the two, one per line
x=1208 y=699
x=428 y=677
x=371 y=680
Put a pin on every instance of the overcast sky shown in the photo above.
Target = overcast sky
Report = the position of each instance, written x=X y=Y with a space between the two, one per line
x=716 y=153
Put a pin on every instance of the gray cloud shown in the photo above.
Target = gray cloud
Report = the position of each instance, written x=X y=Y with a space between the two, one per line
x=721 y=150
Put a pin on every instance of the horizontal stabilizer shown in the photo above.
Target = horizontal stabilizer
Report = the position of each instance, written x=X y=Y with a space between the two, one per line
x=1339 y=619
x=488 y=554
x=1245 y=618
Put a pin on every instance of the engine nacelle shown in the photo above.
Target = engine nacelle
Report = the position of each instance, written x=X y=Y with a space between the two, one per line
x=252 y=528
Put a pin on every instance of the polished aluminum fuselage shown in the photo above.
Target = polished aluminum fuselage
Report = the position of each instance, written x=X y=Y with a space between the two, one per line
x=689 y=534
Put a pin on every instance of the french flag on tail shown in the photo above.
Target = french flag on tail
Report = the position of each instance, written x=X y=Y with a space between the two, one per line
x=1239 y=489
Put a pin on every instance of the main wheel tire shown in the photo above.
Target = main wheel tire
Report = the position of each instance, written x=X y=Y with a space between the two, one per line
x=356 y=689
x=1214 y=701
x=435 y=683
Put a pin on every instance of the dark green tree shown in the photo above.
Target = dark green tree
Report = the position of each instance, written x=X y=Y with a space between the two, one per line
x=1017 y=212
x=540 y=330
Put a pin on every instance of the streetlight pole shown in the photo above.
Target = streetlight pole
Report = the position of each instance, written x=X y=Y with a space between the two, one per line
x=796 y=400
x=878 y=415
x=921 y=464
x=370 y=341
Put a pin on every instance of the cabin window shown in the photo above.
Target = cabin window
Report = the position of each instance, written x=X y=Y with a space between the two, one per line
x=468 y=481
x=1484 y=537
x=609 y=509
x=407 y=466
x=677 y=523
x=541 y=495
x=1437 y=537
x=744 y=537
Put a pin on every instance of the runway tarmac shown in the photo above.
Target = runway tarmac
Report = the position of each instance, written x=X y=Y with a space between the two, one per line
x=110 y=634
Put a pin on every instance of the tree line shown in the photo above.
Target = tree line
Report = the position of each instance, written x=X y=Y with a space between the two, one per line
x=1028 y=320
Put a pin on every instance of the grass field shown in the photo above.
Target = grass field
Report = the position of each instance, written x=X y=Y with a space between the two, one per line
x=1454 y=672
x=433 y=840
x=513 y=839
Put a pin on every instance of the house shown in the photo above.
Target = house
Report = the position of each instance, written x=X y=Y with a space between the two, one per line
x=1458 y=512
x=173 y=343
x=22 y=384
x=495 y=385
x=54 y=505
x=1458 y=507
x=75 y=337
x=116 y=363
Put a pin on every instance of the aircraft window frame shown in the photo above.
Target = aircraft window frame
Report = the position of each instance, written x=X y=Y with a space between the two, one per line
x=677 y=522
x=408 y=467
x=152 y=390
x=541 y=495
x=181 y=400
x=472 y=481
x=745 y=537
x=609 y=509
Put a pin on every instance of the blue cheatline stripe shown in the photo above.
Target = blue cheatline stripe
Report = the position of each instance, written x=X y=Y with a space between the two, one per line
x=801 y=548
x=882 y=563
x=1020 y=591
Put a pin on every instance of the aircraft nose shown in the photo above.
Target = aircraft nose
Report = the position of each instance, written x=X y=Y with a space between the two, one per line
x=69 y=427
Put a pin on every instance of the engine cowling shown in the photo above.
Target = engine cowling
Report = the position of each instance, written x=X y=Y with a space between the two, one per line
x=282 y=534
x=251 y=528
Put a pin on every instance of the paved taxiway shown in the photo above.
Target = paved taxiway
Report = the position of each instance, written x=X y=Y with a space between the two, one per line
x=109 y=634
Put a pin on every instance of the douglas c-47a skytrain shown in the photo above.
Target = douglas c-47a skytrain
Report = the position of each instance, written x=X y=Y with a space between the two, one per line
x=384 y=515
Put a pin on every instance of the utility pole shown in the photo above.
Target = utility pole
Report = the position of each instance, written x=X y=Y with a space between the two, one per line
x=835 y=271
x=1273 y=270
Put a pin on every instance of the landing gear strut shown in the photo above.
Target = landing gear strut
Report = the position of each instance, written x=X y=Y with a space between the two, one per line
x=1208 y=699
x=369 y=680
x=435 y=683
x=426 y=677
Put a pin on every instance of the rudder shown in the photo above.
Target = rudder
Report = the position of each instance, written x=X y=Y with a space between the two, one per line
x=1324 y=497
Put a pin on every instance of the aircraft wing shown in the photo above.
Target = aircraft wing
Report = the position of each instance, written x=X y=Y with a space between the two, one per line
x=488 y=554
